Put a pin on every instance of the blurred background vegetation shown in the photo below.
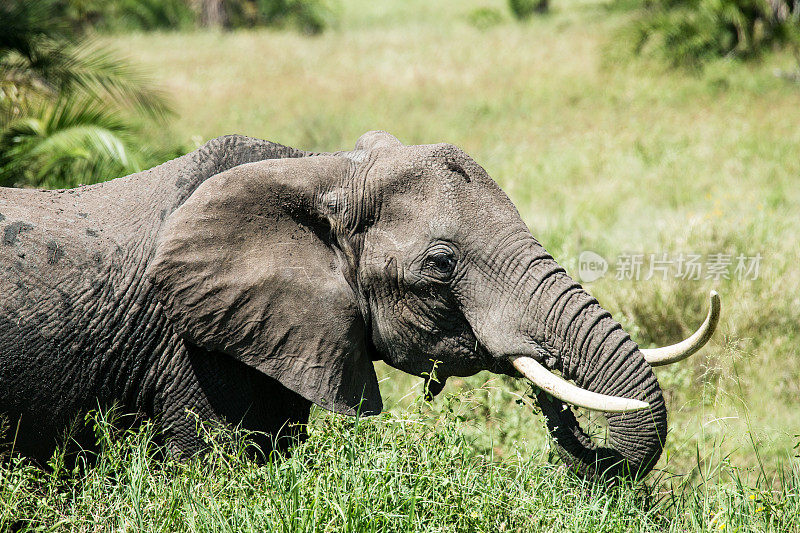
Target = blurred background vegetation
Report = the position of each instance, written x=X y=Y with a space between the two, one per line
x=691 y=32
x=615 y=126
x=72 y=112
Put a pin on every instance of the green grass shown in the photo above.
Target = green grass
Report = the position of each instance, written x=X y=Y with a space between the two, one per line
x=395 y=472
x=600 y=151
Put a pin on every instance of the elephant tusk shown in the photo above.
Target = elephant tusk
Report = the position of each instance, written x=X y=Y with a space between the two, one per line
x=685 y=348
x=566 y=391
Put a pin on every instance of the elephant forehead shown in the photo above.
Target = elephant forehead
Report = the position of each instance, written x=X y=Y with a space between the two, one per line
x=433 y=169
x=446 y=208
x=437 y=191
x=420 y=155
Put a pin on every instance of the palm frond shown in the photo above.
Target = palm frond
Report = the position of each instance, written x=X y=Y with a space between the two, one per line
x=70 y=143
x=64 y=105
x=27 y=24
x=102 y=75
x=38 y=58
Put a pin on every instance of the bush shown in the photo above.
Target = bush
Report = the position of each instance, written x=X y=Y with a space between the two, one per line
x=692 y=32
x=523 y=9
x=309 y=16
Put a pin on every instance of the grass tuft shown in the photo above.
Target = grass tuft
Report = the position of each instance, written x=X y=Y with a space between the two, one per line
x=408 y=471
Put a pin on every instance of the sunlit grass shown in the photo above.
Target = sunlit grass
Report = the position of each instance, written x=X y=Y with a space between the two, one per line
x=395 y=472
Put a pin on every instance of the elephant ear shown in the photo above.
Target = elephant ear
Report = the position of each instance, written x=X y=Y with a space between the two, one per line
x=248 y=266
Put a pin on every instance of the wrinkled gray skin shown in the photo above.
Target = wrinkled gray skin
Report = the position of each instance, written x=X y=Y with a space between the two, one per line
x=246 y=280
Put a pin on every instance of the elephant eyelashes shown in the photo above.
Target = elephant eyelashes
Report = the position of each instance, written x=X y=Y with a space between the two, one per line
x=440 y=263
x=443 y=263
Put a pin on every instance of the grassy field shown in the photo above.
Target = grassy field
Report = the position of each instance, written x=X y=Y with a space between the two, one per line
x=600 y=151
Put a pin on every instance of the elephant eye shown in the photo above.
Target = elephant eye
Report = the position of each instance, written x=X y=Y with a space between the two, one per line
x=441 y=262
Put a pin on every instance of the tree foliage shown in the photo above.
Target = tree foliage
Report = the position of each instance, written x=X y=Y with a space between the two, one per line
x=68 y=107
x=65 y=108
x=121 y=15
x=310 y=16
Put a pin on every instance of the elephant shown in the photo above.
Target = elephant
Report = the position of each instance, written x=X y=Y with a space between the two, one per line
x=247 y=280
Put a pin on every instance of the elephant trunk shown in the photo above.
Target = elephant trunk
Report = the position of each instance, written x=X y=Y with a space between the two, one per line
x=591 y=349
x=549 y=323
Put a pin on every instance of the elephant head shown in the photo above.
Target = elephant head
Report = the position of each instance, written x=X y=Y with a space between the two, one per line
x=308 y=269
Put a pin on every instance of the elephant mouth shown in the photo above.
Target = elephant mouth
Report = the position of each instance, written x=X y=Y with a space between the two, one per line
x=586 y=448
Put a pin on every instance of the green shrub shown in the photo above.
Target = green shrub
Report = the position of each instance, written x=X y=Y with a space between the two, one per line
x=523 y=9
x=692 y=32
x=309 y=16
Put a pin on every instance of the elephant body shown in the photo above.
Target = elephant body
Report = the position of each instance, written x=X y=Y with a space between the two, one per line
x=247 y=280
x=80 y=327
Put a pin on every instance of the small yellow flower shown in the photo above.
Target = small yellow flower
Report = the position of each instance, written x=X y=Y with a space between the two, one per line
x=722 y=526
x=752 y=496
x=759 y=509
